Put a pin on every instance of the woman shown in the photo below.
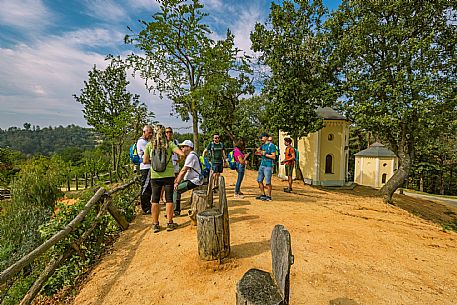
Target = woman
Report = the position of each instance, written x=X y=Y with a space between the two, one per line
x=240 y=160
x=163 y=177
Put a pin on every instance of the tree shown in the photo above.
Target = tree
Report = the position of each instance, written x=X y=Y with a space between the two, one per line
x=174 y=44
x=397 y=71
x=293 y=47
x=110 y=108
x=227 y=79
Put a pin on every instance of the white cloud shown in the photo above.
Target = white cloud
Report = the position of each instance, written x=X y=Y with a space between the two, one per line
x=144 y=4
x=105 y=10
x=214 y=4
x=38 y=81
x=94 y=37
x=31 y=15
x=243 y=27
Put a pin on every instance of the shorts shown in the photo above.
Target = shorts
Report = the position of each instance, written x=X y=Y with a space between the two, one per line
x=289 y=169
x=217 y=167
x=167 y=184
x=264 y=172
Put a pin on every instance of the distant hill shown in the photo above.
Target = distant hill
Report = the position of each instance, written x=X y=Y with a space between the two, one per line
x=34 y=140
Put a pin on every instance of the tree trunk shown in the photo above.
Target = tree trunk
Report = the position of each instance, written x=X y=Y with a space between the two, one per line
x=421 y=182
x=441 y=183
x=113 y=153
x=405 y=154
x=195 y=127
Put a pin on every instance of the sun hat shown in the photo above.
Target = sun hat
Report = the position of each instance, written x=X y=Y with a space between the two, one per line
x=187 y=143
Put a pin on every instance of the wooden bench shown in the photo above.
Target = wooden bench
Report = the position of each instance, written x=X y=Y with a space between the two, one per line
x=213 y=228
x=258 y=287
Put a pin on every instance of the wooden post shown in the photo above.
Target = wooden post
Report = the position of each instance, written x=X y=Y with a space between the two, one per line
x=202 y=199
x=210 y=235
x=77 y=182
x=213 y=228
x=68 y=183
x=117 y=215
x=85 y=180
x=92 y=179
x=260 y=287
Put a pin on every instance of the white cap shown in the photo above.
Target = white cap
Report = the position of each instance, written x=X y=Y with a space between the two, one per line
x=187 y=143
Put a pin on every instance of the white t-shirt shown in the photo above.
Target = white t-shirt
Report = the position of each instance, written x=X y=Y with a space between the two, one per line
x=140 y=147
x=194 y=171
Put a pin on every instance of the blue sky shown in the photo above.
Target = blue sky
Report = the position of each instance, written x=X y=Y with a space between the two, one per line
x=47 y=48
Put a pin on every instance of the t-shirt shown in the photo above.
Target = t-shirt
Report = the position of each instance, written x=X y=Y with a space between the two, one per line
x=194 y=171
x=289 y=153
x=269 y=148
x=237 y=153
x=140 y=147
x=215 y=151
x=169 y=171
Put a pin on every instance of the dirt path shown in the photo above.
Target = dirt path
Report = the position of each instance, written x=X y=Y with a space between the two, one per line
x=346 y=245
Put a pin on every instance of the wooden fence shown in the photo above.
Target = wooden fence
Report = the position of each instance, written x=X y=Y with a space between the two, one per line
x=102 y=196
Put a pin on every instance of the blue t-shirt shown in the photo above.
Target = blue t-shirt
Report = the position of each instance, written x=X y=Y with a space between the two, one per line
x=269 y=148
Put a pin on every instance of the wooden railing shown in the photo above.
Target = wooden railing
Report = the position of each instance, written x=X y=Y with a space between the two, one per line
x=101 y=195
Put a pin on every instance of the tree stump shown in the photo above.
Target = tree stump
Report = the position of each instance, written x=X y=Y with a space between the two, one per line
x=201 y=200
x=258 y=287
x=211 y=235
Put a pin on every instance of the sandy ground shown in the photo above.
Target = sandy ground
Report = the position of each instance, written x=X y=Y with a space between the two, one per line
x=347 y=244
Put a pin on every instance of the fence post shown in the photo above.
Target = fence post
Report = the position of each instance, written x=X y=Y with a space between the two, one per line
x=85 y=180
x=77 y=181
x=68 y=183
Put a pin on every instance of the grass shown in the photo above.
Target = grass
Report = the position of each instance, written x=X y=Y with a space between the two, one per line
x=434 y=195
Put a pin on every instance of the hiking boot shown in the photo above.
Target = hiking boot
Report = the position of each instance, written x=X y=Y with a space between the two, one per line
x=267 y=198
x=155 y=227
x=261 y=197
x=287 y=190
x=171 y=226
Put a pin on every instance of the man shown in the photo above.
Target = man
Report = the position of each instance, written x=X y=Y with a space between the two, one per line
x=217 y=155
x=268 y=153
x=275 y=163
x=190 y=175
x=289 y=162
x=145 y=196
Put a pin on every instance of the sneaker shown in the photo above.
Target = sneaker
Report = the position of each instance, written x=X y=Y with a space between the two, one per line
x=171 y=226
x=241 y=193
x=238 y=196
x=261 y=197
x=177 y=213
x=267 y=198
x=148 y=212
x=287 y=190
x=155 y=227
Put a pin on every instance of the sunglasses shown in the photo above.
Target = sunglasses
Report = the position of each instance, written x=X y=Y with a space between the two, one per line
x=168 y=131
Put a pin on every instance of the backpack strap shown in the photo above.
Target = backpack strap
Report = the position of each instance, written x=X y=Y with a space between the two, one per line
x=201 y=169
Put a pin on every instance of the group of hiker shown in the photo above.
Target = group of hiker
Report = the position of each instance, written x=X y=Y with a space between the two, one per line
x=163 y=178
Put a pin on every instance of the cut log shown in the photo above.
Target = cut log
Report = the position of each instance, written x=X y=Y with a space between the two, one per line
x=201 y=200
x=211 y=235
x=259 y=287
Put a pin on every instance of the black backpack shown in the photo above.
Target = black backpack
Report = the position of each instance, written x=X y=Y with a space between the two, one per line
x=159 y=160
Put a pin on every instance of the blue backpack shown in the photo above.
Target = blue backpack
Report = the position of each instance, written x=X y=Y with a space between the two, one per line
x=231 y=160
x=297 y=155
x=205 y=166
x=134 y=156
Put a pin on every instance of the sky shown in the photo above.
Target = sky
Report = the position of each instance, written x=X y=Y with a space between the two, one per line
x=47 y=48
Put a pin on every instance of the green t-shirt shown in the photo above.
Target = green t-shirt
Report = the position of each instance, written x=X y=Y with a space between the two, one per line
x=215 y=152
x=169 y=171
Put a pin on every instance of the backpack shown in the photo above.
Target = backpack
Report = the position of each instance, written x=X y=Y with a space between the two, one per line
x=134 y=156
x=297 y=155
x=231 y=160
x=277 y=154
x=159 y=159
x=205 y=166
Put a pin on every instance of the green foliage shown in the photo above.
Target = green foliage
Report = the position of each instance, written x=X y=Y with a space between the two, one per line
x=396 y=68
x=47 y=141
x=110 y=108
x=226 y=81
x=9 y=161
x=293 y=47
